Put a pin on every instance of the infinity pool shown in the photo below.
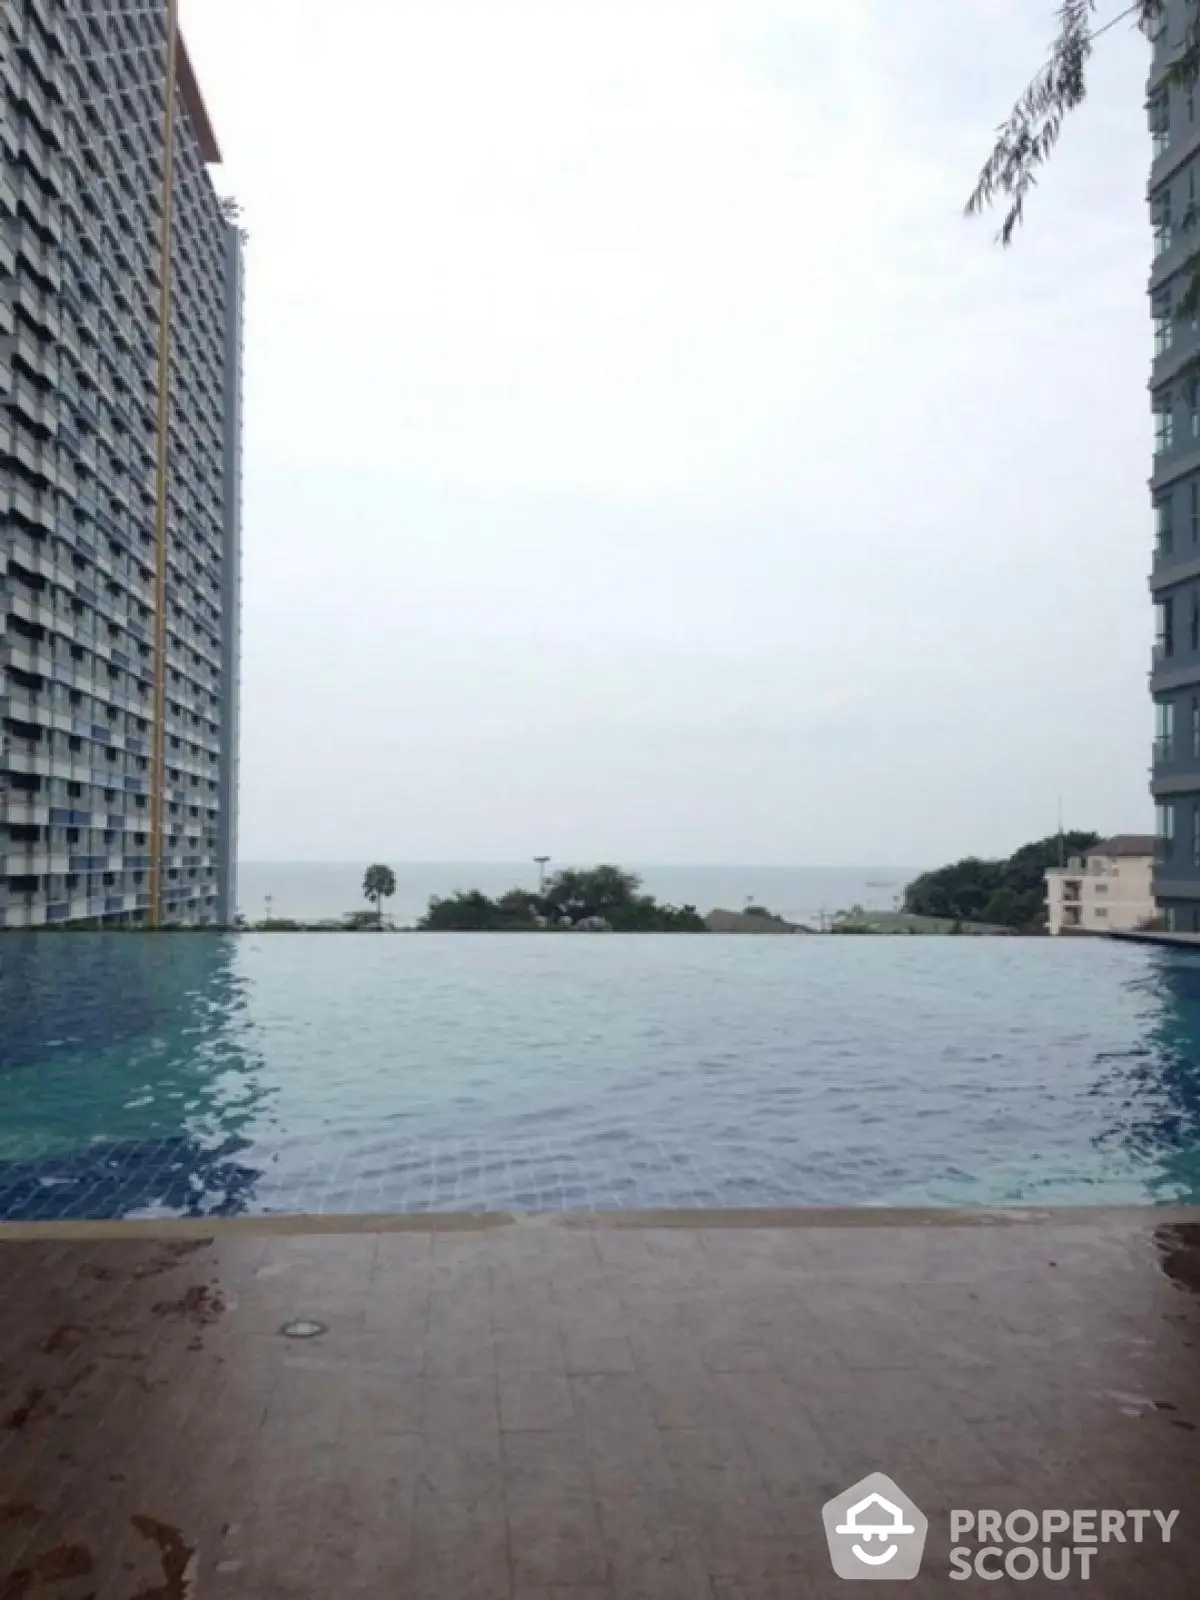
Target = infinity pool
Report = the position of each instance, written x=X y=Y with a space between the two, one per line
x=194 y=1075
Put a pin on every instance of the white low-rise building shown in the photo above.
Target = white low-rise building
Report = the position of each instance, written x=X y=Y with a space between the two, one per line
x=1111 y=887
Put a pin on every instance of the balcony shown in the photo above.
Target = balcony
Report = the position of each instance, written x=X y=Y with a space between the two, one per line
x=36 y=863
x=19 y=812
x=31 y=45
x=27 y=656
x=32 y=709
x=31 y=148
x=22 y=913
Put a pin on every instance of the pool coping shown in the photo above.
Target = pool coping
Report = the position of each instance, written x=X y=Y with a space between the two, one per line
x=481 y=1221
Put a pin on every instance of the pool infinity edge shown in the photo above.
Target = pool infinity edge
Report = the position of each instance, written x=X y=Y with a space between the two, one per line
x=481 y=1221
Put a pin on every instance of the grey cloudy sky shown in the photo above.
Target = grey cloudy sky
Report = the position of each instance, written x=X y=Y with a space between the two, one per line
x=644 y=458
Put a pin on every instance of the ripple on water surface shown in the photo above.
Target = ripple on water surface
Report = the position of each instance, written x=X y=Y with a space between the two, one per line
x=198 y=1075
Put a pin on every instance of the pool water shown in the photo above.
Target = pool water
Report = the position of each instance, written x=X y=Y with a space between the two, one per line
x=194 y=1075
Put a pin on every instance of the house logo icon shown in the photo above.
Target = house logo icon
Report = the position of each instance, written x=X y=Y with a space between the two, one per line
x=874 y=1531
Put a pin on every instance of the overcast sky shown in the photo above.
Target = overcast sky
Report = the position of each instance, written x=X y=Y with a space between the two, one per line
x=644 y=460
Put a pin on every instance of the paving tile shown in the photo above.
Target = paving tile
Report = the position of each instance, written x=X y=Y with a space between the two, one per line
x=650 y=1549
x=459 y=1340
x=377 y=1400
x=633 y=1426
x=537 y=1346
x=466 y=1469
x=459 y=1408
x=664 y=1345
x=736 y=1355
x=534 y=1400
x=554 y=1532
x=588 y=1353
x=732 y=1516
x=789 y=1452
x=683 y=1397
x=623 y=1440
x=558 y=1591
x=459 y=1549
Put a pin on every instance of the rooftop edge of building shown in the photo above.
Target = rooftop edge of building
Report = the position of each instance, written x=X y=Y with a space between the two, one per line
x=189 y=91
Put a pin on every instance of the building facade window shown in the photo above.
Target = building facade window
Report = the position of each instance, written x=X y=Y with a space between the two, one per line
x=1164 y=817
x=1164 y=536
x=1160 y=217
x=1164 y=730
x=1196 y=834
x=1164 y=425
x=1164 y=628
x=1164 y=326
x=1160 y=121
x=1194 y=511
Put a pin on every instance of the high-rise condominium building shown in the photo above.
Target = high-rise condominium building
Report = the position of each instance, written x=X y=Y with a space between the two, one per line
x=119 y=517
x=1174 y=193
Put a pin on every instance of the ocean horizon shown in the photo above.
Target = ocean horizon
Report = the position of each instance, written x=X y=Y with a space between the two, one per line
x=312 y=890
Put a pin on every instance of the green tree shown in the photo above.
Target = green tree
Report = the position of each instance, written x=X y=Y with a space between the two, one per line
x=1005 y=908
x=465 y=911
x=1010 y=893
x=645 y=915
x=519 y=908
x=959 y=891
x=572 y=895
x=1025 y=868
x=379 y=884
x=589 y=892
x=613 y=894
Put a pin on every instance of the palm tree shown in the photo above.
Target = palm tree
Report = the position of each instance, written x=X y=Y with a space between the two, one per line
x=379 y=884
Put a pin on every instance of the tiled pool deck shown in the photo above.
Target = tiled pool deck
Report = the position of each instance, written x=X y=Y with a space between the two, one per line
x=629 y=1407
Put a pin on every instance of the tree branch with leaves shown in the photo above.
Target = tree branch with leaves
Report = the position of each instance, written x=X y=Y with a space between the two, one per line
x=1027 y=138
